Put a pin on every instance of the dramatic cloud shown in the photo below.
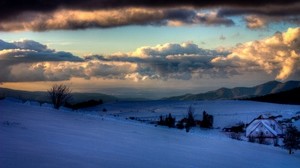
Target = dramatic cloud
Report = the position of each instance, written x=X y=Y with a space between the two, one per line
x=171 y=61
x=31 y=51
x=19 y=15
x=28 y=62
x=279 y=55
x=20 y=61
x=76 y=19
x=271 y=9
x=10 y=8
x=260 y=16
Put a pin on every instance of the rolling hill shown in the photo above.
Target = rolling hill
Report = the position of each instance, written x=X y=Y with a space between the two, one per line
x=286 y=97
x=43 y=96
x=240 y=92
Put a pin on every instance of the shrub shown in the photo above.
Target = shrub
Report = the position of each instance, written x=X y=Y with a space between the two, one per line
x=59 y=95
x=239 y=127
x=167 y=121
x=237 y=136
x=85 y=104
x=207 y=121
x=291 y=139
x=251 y=139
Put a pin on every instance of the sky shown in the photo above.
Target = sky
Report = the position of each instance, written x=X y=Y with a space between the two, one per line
x=143 y=48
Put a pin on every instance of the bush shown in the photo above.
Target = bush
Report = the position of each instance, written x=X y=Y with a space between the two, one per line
x=291 y=139
x=238 y=128
x=180 y=125
x=237 y=136
x=59 y=95
x=251 y=139
x=188 y=121
x=85 y=104
x=167 y=121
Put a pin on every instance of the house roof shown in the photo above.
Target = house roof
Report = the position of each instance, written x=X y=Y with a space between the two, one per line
x=266 y=123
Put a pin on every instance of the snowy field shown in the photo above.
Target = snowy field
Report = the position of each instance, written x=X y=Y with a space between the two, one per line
x=39 y=136
x=225 y=112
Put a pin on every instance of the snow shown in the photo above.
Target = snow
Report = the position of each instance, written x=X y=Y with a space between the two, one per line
x=226 y=113
x=262 y=126
x=39 y=136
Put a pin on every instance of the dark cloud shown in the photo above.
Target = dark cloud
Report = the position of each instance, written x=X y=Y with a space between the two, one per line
x=74 y=19
x=260 y=16
x=31 y=45
x=25 y=61
x=270 y=10
x=10 y=8
x=40 y=15
x=6 y=45
x=31 y=51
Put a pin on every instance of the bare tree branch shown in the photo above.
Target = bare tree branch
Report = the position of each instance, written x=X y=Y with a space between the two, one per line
x=59 y=94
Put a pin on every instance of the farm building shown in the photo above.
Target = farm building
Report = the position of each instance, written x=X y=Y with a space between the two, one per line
x=264 y=127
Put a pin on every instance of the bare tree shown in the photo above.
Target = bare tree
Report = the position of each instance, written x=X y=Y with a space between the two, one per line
x=59 y=94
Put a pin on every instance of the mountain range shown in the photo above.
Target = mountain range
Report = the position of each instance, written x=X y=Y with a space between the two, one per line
x=219 y=94
x=240 y=92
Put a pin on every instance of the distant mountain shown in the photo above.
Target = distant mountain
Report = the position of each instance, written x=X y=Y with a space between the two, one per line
x=286 y=97
x=43 y=96
x=240 y=92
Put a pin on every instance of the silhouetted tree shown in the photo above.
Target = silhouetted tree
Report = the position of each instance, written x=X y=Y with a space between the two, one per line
x=207 y=121
x=167 y=121
x=291 y=139
x=190 y=117
x=59 y=94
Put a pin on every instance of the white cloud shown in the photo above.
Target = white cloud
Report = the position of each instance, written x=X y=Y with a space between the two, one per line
x=279 y=54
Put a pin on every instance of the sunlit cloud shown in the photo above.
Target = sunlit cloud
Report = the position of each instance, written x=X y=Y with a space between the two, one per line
x=77 y=19
x=257 y=17
x=15 y=7
x=69 y=15
x=278 y=55
x=255 y=22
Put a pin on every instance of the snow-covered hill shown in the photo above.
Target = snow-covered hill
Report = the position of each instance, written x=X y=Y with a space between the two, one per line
x=35 y=136
x=225 y=112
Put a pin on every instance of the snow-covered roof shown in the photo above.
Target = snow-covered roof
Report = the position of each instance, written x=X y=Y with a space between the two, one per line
x=264 y=124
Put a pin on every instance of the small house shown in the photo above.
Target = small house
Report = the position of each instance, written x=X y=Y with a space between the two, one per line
x=264 y=127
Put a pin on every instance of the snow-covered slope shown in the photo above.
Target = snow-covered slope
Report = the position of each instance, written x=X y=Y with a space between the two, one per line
x=34 y=136
x=225 y=112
